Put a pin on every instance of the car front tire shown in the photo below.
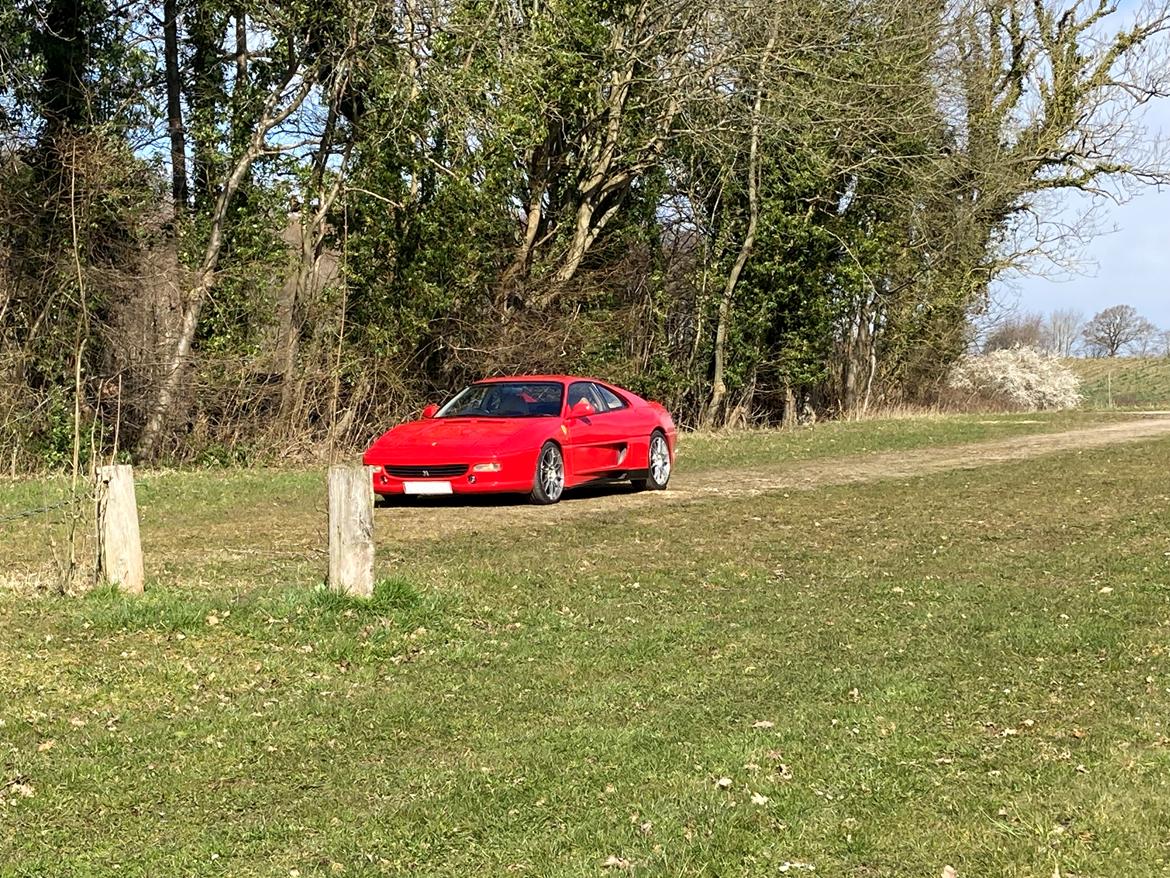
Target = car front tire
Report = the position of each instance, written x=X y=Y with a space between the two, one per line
x=548 y=484
x=658 y=467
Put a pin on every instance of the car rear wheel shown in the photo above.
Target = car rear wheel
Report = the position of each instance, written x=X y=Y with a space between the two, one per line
x=658 y=470
x=549 y=481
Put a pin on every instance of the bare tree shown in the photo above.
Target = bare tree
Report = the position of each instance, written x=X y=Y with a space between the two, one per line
x=1062 y=328
x=627 y=131
x=1116 y=330
x=1146 y=344
x=1018 y=330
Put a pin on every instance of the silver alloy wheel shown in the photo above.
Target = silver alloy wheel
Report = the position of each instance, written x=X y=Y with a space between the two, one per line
x=659 y=459
x=552 y=473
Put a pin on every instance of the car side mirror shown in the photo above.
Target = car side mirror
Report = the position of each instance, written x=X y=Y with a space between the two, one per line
x=430 y=410
x=581 y=409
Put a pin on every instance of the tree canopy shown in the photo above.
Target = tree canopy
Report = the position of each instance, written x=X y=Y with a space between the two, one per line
x=238 y=224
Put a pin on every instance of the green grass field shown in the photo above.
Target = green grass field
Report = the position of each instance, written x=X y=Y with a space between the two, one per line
x=1124 y=382
x=872 y=680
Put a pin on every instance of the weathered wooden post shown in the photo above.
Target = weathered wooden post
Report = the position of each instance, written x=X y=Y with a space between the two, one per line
x=351 y=530
x=119 y=543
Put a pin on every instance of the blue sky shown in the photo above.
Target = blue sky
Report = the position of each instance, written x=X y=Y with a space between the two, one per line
x=1128 y=264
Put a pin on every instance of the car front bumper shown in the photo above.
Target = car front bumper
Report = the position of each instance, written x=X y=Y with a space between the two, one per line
x=515 y=475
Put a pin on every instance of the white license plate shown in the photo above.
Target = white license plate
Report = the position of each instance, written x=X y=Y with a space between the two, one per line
x=426 y=487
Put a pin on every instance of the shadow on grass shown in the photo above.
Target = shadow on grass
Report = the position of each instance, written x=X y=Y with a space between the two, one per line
x=581 y=494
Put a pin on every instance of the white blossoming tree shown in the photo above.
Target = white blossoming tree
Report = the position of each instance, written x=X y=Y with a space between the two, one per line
x=1018 y=378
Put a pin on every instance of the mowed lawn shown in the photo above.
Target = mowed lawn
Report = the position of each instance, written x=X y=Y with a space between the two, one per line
x=880 y=679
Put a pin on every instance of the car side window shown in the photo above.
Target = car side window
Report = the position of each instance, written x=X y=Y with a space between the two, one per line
x=585 y=390
x=610 y=400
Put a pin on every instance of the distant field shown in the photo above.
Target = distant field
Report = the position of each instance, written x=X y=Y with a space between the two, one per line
x=868 y=680
x=1124 y=382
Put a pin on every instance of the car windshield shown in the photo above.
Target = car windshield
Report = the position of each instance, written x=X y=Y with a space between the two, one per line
x=506 y=399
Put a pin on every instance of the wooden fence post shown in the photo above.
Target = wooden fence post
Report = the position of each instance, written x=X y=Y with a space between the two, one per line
x=119 y=543
x=351 y=530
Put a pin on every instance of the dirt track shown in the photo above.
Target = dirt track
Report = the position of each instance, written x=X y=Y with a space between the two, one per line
x=424 y=519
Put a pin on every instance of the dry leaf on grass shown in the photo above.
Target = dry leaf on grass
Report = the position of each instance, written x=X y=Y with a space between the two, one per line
x=614 y=862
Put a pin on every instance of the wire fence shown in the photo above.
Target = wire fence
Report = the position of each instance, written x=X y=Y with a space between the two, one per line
x=48 y=545
x=36 y=510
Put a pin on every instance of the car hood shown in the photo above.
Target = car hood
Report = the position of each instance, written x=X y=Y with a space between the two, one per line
x=450 y=440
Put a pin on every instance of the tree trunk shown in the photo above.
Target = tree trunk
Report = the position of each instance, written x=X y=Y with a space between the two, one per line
x=62 y=37
x=522 y=262
x=741 y=413
x=788 y=419
x=859 y=360
x=719 y=379
x=308 y=283
x=870 y=362
x=161 y=410
x=580 y=243
x=174 y=106
x=312 y=237
x=240 y=82
x=205 y=96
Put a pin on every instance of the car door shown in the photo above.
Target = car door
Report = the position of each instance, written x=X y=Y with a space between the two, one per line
x=627 y=425
x=581 y=432
x=597 y=442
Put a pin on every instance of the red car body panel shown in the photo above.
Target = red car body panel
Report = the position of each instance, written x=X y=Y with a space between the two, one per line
x=601 y=446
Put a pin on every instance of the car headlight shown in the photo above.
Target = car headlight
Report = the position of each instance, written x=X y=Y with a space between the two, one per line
x=493 y=467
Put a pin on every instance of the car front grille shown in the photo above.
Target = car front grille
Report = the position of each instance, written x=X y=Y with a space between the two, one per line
x=437 y=471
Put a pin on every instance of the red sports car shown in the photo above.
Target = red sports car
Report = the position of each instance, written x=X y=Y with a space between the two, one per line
x=537 y=434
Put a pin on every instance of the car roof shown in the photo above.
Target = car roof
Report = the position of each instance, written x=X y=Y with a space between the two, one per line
x=557 y=378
